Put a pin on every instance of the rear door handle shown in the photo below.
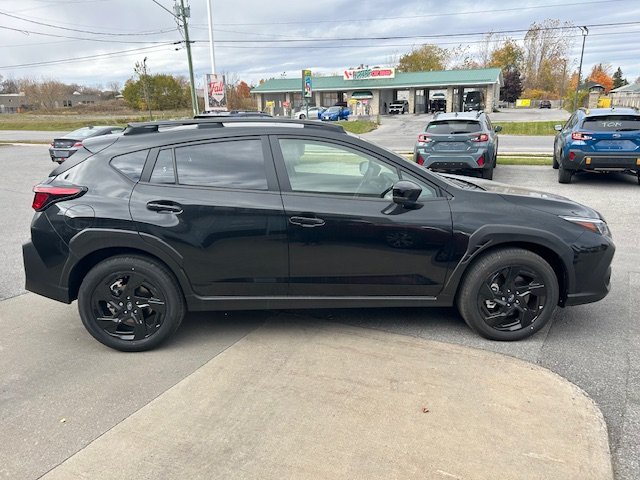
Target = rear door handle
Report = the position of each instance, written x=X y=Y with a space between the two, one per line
x=306 y=222
x=168 y=207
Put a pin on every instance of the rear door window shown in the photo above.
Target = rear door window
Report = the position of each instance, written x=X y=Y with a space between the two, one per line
x=612 y=123
x=452 y=127
x=227 y=164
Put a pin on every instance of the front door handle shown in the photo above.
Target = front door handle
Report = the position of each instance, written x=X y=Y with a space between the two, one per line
x=162 y=207
x=306 y=222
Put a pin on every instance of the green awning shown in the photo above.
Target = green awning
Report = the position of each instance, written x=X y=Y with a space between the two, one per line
x=362 y=94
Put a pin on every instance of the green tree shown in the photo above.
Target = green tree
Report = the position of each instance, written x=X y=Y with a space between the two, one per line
x=618 y=79
x=424 y=58
x=165 y=92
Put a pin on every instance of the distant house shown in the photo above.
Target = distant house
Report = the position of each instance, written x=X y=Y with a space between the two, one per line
x=627 y=96
x=12 y=102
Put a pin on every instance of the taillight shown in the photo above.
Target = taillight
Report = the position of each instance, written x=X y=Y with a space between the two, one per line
x=483 y=137
x=480 y=161
x=45 y=195
x=580 y=136
x=420 y=160
x=424 y=138
x=77 y=145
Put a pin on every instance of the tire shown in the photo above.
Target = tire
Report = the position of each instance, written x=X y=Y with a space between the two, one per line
x=556 y=165
x=302 y=116
x=564 y=175
x=487 y=173
x=134 y=317
x=526 y=282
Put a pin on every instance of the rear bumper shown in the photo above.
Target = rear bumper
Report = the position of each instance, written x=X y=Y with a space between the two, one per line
x=449 y=162
x=603 y=161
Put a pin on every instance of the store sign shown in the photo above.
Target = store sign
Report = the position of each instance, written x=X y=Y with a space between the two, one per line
x=215 y=97
x=307 y=91
x=369 y=73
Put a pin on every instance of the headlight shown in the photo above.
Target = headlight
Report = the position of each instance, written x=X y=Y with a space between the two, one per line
x=593 y=224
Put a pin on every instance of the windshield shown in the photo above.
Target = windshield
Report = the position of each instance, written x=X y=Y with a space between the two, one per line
x=448 y=127
x=333 y=110
x=612 y=123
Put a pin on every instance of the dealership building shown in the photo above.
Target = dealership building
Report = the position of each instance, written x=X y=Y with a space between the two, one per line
x=369 y=91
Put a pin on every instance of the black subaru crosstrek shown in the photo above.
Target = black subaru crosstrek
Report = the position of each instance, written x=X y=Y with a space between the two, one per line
x=258 y=213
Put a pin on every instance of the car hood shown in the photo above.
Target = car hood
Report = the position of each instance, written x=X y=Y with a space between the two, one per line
x=536 y=199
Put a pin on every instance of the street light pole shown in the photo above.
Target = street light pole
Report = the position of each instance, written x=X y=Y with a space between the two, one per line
x=212 y=56
x=585 y=32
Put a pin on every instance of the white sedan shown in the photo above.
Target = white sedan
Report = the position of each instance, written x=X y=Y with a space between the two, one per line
x=314 y=113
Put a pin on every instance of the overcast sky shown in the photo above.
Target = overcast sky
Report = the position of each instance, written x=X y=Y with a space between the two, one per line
x=262 y=38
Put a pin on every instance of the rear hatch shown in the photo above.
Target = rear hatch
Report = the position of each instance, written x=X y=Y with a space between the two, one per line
x=454 y=135
x=611 y=133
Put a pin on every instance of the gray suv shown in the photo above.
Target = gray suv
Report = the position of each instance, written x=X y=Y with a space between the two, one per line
x=460 y=141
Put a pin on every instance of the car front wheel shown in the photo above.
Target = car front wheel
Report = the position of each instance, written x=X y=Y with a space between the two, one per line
x=508 y=294
x=130 y=303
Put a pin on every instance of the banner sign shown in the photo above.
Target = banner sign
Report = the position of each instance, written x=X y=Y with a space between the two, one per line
x=215 y=94
x=369 y=73
x=306 y=84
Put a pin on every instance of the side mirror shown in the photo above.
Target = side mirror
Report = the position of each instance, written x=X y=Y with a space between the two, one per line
x=498 y=128
x=557 y=128
x=406 y=193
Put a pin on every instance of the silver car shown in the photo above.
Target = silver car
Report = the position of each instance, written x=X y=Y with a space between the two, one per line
x=314 y=113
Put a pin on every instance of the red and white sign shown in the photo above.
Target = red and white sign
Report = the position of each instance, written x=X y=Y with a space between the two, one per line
x=215 y=97
x=369 y=73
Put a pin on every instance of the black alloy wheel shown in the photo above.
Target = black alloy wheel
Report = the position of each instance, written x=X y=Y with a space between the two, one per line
x=508 y=294
x=130 y=303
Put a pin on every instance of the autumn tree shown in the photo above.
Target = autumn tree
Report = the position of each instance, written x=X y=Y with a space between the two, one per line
x=164 y=92
x=545 y=55
x=239 y=97
x=46 y=94
x=424 y=58
x=508 y=56
x=618 y=79
x=600 y=74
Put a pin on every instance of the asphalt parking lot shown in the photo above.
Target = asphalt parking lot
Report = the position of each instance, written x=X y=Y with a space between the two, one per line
x=596 y=346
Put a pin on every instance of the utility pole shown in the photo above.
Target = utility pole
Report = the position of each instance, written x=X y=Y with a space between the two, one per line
x=184 y=13
x=585 y=32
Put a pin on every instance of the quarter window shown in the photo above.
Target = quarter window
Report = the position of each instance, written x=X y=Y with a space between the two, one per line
x=229 y=164
x=130 y=164
x=320 y=167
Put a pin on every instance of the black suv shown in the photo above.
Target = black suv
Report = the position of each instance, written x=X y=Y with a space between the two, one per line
x=257 y=213
x=461 y=142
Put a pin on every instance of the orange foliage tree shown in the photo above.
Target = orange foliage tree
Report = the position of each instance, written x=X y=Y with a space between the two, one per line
x=601 y=74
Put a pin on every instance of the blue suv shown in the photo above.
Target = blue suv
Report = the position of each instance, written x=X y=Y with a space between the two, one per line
x=601 y=139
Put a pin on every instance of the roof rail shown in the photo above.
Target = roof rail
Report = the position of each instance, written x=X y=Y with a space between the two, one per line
x=136 y=128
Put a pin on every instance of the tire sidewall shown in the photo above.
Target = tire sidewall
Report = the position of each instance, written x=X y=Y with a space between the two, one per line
x=481 y=271
x=158 y=276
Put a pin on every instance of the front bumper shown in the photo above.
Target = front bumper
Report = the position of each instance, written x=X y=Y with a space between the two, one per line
x=593 y=254
x=603 y=161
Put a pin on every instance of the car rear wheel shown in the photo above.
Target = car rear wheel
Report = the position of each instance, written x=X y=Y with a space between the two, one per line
x=564 y=175
x=508 y=294
x=302 y=116
x=130 y=303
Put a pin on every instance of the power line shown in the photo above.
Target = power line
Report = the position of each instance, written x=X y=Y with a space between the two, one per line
x=88 y=57
x=83 y=31
x=432 y=15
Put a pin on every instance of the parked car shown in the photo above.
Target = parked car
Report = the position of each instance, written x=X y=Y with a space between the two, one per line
x=276 y=213
x=398 y=107
x=598 y=140
x=545 y=104
x=314 y=113
x=438 y=102
x=463 y=142
x=335 y=113
x=63 y=147
x=474 y=101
